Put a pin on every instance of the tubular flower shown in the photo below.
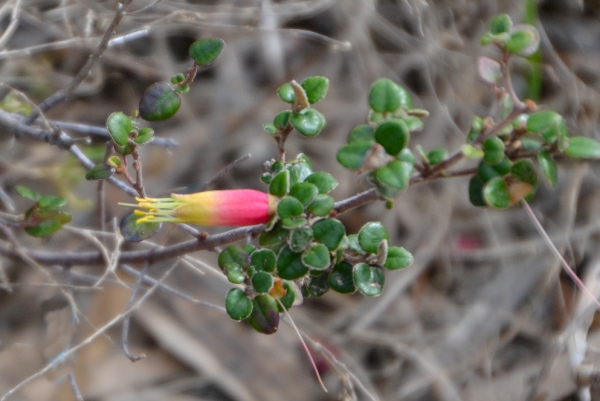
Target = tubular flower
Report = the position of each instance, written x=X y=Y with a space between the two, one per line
x=236 y=207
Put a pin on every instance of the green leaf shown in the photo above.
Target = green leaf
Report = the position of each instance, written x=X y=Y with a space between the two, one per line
x=493 y=149
x=263 y=260
x=62 y=217
x=370 y=235
x=368 y=279
x=476 y=191
x=300 y=238
x=289 y=206
x=392 y=135
x=206 y=51
x=51 y=202
x=501 y=23
x=134 y=232
x=353 y=155
x=341 y=278
x=486 y=171
x=235 y=273
x=262 y=282
x=329 y=232
x=413 y=123
x=354 y=245
x=123 y=150
x=289 y=264
x=472 y=152
x=44 y=228
x=322 y=205
x=396 y=174
x=364 y=132
x=299 y=171
x=100 y=172
x=489 y=70
x=581 y=147
x=524 y=41
x=436 y=156
x=324 y=182
x=270 y=129
x=145 y=135
x=265 y=314
x=159 y=102
x=237 y=304
x=274 y=236
x=27 y=193
x=315 y=88
x=386 y=96
x=319 y=285
x=282 y=119
x=290 y=296
x=292 y=223
x=119 y=126
x=525 y=171
x=496 y=193
x=542 y=121
x=305 y=192
x=398 y=258
x=280 y=185
x=316 y=257
x=286 y=93
x=233 y=256
x=548 y=167
x=309 y=122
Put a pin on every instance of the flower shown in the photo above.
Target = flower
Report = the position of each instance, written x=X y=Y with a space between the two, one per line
x=235 y=207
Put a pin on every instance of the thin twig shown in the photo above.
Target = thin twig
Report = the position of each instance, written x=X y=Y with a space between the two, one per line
x=74 y=386
x=12 y=27
x=127 y=319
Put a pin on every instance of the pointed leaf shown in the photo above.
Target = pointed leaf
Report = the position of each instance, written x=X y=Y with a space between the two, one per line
x=44 y=228
x=27 y=193
x=51 y=202
x=206 y=51
x=100 y=172
x=237 y=304
x=282 y=119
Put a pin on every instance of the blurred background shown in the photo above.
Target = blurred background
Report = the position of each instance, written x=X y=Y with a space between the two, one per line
x=484 y=312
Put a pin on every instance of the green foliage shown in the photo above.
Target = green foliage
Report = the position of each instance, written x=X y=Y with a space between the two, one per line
x=119 y=126
x=206 y=51
x=46 y=216
x=159 y=102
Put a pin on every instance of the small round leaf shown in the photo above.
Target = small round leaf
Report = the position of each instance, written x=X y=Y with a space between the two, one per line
x=548 y=167
x=386 y=96
x=282 y=119
x=237 y=304
x=305 y=192
x=294 y=222
x=300 y=239
x=265 y=314
x=234 y=255
x=119 y=126
x=319 y=285
x=299 y=171
x=524 y=41
x=329 y=232
x=51 y=202
x=370 y=235
x=398 y=258
x=486 y=171
x=159 y=102
x=436 y=156
x=286 y=93
x=323 y=181
x=315 y=88
x=309 y=122
x=263 y=260
x=322 y=205
x=317 y=257
x=396 y=174
x=341 y=280
x=501 y=23
x=205 y=51
x=476 y=191
x=289 y=264
x=493 y=149
x=496 y=193
x=364 y=132
x=145 y=135
x=280 y=185
x=44 y=228
x=289 y=298
x=289 y=206
x=368 y=279
x=27 y=193
x=262 y=282
x=393 y=136
x=353 y=155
